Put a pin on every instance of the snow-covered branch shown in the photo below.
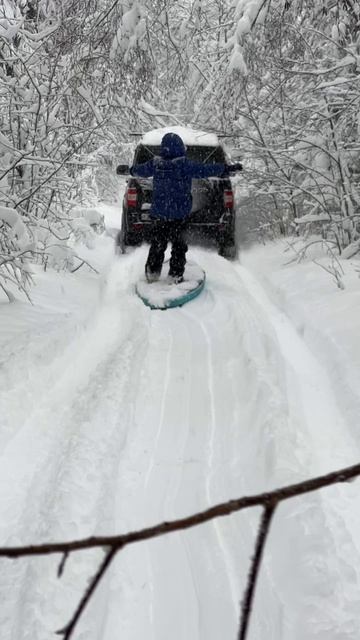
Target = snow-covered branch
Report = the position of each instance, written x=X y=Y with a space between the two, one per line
x=112 y=545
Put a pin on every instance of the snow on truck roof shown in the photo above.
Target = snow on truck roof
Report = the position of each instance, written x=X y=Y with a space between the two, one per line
x=190 y=137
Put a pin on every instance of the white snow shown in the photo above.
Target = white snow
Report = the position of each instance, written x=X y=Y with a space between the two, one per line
x=243 y=26
x=13 y=220
x=188 y=136
x=114 y=416
x=324 y=315
x=237 y=61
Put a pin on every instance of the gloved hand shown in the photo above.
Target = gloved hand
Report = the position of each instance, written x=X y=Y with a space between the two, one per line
x=123 y=170
x=232 y=168
x=237 y=166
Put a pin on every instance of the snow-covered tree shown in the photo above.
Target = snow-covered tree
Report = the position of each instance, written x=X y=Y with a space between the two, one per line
x=279 y=79
x=61 y=108
x=291 y=102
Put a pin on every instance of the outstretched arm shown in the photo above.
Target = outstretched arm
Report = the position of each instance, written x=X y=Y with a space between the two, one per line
x=144 y=170
x=200 y=170
x=231 y=168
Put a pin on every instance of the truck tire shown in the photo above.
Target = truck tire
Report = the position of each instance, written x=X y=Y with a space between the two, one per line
x=228 y=249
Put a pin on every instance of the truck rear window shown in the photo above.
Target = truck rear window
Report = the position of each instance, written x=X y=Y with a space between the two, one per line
x=208 y=155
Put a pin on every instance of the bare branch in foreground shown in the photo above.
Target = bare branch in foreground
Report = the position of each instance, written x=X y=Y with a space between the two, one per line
x=82 y=262
x=8 y=293
x=218 y=511
x=247 y=602
x=269 y=501
x=62 y=564
x=70 y=627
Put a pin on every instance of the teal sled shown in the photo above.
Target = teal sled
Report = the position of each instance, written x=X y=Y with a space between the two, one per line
x=162 y=295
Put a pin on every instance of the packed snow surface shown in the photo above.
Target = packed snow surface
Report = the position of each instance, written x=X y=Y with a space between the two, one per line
x=115 y=417
x=189 y=136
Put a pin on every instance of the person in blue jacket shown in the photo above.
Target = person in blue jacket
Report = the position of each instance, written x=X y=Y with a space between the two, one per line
x=172 y=174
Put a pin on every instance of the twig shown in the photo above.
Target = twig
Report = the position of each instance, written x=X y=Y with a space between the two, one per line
x=8 y=293
x=62 y=565
x=269 y=501
x=218 y=511
x=67 y=631
x=66 y=159
x=82 y=262
x=247 y=602
x=78 y=267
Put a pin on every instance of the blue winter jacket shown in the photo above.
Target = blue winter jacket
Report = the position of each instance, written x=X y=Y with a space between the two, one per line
x=172 y=174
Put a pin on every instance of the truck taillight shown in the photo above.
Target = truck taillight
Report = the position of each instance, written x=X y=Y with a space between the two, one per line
x=131 y=197
x=228 y=199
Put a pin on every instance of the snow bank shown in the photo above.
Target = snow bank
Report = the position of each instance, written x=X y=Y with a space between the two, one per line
x=13 y=220
x=326 y=316
x=88 y=216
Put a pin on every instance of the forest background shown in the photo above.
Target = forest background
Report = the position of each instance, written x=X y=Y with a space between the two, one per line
x=278 y=80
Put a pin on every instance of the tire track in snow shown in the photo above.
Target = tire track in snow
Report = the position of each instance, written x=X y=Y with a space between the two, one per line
x=169 y=510
x=170 y=444
x=44 y=505
x=201 y=548
x=213 y=319
x=162 y=406
x=159 y=571
x=87 y=470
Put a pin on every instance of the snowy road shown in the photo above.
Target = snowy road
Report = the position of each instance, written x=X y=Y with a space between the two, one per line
x=142 y=416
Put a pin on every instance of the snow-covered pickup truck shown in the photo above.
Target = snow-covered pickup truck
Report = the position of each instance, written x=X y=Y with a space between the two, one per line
x=212 y=214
